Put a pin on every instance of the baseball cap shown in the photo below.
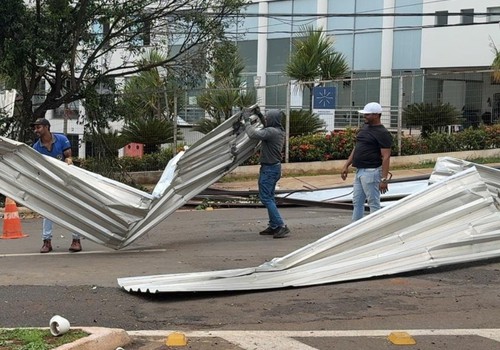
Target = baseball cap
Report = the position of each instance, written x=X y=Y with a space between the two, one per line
x=372 y=107
x=41 y=121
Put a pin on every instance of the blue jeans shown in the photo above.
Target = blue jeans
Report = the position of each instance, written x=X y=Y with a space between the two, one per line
x=268 y=177
x=366 y=188
x=47 y=230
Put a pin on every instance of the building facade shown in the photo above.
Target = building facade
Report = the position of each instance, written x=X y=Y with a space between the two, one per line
x=443 y=49
x=414 y=50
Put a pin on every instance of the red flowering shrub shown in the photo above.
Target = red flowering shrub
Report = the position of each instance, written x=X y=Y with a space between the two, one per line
x=338 y=144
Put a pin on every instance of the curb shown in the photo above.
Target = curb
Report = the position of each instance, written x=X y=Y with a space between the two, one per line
x=99 y=338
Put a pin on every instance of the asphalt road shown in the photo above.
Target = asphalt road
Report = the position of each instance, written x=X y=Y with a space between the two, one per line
x=82 y=286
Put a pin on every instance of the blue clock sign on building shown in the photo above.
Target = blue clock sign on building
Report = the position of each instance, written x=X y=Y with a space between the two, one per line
x=324 y=97
x=324 y=103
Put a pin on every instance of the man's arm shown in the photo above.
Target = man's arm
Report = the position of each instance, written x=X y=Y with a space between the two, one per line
x=386 y=160
x=345 y=168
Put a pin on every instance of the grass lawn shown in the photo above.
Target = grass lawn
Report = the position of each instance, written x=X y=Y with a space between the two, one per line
x=36 y=339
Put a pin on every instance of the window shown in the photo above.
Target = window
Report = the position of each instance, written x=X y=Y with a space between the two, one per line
x=467 y=16
x=140 y=32
x=100 y=28
x=493 y=14
x=441 y=18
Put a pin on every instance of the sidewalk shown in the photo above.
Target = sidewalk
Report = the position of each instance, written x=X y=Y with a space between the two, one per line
x=313 y=181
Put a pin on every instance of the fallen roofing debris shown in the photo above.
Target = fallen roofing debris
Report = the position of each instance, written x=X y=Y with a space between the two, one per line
x=455 y=219
x=341 y=197
x=109 y=212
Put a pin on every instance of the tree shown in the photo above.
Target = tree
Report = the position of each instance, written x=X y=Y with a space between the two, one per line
x=144 y=106
x=144 y=94
x=226 y=90
x=496 y=63
x=303 y=122
x=76 y=46
x=430 y=117
x=151 y=132
x=313 y=58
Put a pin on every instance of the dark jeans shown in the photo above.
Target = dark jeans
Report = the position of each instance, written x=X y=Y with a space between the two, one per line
x=268 y=177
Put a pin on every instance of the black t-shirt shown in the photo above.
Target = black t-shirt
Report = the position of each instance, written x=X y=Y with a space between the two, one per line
x=369 y=140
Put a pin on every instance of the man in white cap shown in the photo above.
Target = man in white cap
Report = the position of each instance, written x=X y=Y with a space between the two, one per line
x=371 y=158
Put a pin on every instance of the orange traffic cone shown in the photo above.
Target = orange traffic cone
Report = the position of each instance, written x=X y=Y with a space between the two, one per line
x=11 y=222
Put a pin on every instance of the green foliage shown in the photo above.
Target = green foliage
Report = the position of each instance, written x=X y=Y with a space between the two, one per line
x=227 y=89
x=206 y=125
x=303 y=122
x=485 y=137
x=314 y=57
x=430 y=117
x=106 y=143
x=151 y=132
x=339 y=144
x=35 y=339
x=320 y=147
x=495 y=65
x=144 y=96
x=441 y=141
x=411 y=146
x=123 y=165
x=56 y=41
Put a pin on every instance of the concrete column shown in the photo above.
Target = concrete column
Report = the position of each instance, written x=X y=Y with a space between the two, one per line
x=386 y=61
x=262 y=52
x=322 y=8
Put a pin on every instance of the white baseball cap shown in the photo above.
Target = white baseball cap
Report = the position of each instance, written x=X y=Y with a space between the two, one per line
x=372 y=107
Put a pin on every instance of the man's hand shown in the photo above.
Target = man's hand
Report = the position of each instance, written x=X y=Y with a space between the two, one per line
x=247 y=115
x=383 y=186
x=344 y=173
x=69 y=161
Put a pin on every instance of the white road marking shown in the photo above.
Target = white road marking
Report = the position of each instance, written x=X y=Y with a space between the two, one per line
x=283 y=340
x=85 y=252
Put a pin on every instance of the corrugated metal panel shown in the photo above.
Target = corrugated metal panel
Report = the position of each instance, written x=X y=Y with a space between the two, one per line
x=109 y=212
x=397 y=190
x=454 y=220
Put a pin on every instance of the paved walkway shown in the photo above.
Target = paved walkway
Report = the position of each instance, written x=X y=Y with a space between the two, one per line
x=314 y=181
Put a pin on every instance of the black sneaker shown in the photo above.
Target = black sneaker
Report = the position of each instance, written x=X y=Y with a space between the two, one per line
x=281 y=232
x=268 y=231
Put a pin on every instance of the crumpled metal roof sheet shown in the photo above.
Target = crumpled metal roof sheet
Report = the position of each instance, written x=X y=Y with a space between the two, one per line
x=397 y=190
x=109 y=212
x=454 y=220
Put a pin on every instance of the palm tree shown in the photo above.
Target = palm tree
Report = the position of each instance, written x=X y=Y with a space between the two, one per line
x=496 y=64
x=303 y=122
x=430 y=117
x=315 y=58
x=227 y=88
x=150 y=132
x=144 y=106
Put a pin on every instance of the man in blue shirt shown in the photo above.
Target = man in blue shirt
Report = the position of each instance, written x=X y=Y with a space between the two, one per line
x=56 y=146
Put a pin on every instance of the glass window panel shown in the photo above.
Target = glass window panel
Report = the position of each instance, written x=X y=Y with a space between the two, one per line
x=408 y=6
x=276 y=91
x=341 y=24
x=368 y=51
x=279 y=26
x=467 y=16
x=441 y=18
x=369 y=6
x=407 y=47
x=493 y=14
x=278 y=52
x=248 y=52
